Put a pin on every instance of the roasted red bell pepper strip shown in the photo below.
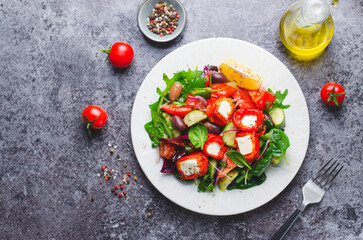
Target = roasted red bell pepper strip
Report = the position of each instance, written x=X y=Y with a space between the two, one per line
x=214 y=146
x=248 y=120
x=192 y=166
x=174 y=110
x=248 y=144
x=166 y=149
x=260 y=97
x=220 y=110
x=225 y=90
x=230 y=165
x=243 y=99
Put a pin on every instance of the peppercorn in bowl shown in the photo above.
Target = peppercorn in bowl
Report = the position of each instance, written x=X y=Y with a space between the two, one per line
x=161 y=21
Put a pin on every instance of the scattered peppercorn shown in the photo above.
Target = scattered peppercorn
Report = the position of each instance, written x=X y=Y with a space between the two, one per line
x=118 y=155
x=125 y=165
x=92 y=199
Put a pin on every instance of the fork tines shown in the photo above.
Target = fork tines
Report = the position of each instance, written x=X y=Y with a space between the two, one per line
x=325 y=176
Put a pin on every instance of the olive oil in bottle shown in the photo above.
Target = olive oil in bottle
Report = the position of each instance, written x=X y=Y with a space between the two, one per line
x=306 y=28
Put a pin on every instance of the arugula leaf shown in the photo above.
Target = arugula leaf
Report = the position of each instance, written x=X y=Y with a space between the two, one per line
x=189 y=86
x=238 y=159
x=169 y=84
x=158 y=119
x=178 y=103
x=279 y=98
x=198 y=134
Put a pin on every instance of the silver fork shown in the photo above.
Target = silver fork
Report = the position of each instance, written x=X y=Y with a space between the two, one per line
x=313 y=192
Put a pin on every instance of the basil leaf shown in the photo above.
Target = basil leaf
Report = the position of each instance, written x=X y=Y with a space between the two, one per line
x=198 y=134
x=238 y=159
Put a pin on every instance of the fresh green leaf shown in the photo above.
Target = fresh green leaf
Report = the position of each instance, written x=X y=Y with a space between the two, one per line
x=279 y=98
x=169 y=84
x=254 y=181
x=154 y=133
x=238 y=159
x=269 y=125
x=159 y=121
x=178 y=103
x=223 y=164
x=279 y=141
x=183 y=180
x=207 y=182
x=198 y=134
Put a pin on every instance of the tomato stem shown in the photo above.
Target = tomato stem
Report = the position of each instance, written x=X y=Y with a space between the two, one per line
x=107 y=51
x=89 y=124
x=332 y=96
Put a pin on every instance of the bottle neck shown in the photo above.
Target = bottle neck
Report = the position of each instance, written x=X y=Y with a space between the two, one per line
x=314 y=12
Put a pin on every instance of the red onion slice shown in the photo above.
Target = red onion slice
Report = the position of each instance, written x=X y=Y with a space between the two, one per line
x=264 y=150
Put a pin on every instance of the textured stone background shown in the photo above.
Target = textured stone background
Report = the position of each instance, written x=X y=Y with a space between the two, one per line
x=51 y=70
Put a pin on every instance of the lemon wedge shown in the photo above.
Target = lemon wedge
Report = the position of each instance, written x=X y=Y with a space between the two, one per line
x=240 y=74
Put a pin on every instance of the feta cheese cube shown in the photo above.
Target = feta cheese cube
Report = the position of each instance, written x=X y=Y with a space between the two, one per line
x=249 y=120
x=245 y=145
x=213 y=148
x=189 y=167
x=225 y=109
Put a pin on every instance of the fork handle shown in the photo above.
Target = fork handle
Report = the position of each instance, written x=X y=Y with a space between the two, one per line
x=284 y=228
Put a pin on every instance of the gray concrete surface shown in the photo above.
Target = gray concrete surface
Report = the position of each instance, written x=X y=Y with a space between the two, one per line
x=50 y=70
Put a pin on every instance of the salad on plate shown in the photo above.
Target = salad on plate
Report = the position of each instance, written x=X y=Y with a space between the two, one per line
x=218 y=127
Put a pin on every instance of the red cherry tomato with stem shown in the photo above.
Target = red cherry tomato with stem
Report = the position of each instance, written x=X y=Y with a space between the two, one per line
x=94 y=117
x=120 y=54
x=332 y=94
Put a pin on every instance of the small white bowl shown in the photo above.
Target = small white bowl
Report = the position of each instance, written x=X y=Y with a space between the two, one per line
x=146 y=9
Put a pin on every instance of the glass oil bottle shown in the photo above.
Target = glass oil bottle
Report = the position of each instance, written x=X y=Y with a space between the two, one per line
x=306 y=28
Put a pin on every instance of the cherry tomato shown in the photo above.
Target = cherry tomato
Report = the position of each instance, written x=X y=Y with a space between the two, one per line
x=174 y=110
x=332 y=94
x=120 y=54
x=226 y=90
x=95 y=117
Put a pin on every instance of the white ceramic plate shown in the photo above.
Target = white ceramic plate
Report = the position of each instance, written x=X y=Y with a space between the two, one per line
x=276 y=76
